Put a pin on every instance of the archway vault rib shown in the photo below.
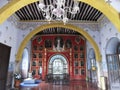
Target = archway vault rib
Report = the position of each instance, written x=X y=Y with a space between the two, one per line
x=68 y=26
x=10 y=8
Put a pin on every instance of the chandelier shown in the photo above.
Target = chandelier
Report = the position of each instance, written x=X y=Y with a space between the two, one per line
x=57 y=10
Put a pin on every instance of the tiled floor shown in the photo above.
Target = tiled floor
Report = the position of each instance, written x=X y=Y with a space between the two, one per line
x=74 y=85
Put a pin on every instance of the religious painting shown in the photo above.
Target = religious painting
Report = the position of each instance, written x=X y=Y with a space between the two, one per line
x=82 y=71
x=81 y=55
x=48 y=43
x=75 y=55
x=77 y=39
x=39 y=39
x=35 y=47
x=68 y=43
x=75 y=48
x=76 y=63
x=40 y=63
x=34 y=55
x=81 y=48
x=40 y=55
x=76 y=71
x=33 y=63
x=41 y=47
x=81 y=63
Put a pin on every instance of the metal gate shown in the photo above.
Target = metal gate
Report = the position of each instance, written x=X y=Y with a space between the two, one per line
x=113 y=64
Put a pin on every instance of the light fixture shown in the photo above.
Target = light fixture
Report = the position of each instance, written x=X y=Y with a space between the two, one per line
x=57 y=10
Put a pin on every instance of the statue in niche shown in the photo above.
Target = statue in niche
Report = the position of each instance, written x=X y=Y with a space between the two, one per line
x=58 y=44
x=40 y=70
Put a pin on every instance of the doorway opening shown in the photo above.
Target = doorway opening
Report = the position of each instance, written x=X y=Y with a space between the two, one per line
x=58 y=66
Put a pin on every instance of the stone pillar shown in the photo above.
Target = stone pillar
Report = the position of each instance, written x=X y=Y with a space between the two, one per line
x=99 y=73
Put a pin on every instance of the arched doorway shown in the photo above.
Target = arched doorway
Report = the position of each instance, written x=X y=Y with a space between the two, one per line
x=67 y=26
x=57 y=65
x=92 y=67
x=113 y=63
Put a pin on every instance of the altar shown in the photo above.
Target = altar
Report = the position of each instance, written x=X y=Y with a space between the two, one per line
x=58 y=78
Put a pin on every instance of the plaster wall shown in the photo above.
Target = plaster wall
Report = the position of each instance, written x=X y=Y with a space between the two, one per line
x=3 y=2
x=8 y=36
x=107 y=31
x=115 y=4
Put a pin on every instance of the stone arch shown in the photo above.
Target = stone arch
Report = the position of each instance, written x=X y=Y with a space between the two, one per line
x=68 y=26
x=57 y=57
x=111 y=46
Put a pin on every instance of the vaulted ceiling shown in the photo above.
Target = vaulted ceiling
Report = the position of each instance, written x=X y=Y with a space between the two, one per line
x=32 y=12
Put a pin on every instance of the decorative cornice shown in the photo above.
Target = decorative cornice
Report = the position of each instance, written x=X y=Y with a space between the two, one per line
x=10 y=8
x=103 y=22
x=13 y=19
x=28 y=25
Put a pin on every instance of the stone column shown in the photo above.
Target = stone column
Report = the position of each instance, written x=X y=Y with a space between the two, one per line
x=99 y=73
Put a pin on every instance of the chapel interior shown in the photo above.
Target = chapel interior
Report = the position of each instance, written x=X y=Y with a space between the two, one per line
x=59 y=44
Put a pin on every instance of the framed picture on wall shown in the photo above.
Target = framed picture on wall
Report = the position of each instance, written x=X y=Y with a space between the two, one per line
x=75 y=55
x=39 y=39
x=81 y=55
x=82 y=72
x=34 y=47
x=81 y=48
x=40 y=55
x=68 y=43
x=41 y=47
x=33 y=63
x=34 y=55
x=48 y=43
x=75 y=63
x=82 y=63
x=76 y=71
x=77 y=39
x=75 y=48
x=40 y=63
